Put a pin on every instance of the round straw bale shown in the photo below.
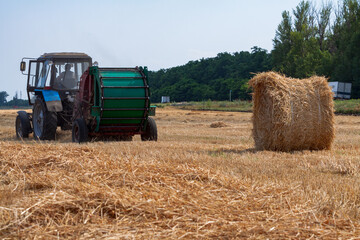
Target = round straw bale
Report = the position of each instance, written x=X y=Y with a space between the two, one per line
x=292 y=114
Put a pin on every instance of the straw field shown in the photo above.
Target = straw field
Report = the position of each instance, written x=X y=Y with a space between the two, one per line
x=197 y=181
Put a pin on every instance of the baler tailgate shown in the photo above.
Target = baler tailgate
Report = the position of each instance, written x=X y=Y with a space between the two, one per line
x=122 y=95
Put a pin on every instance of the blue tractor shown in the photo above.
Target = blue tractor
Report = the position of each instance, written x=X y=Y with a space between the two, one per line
x=52 y=83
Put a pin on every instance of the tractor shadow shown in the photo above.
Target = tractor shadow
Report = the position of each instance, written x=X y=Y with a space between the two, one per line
x=60 y=137
x=66 y=137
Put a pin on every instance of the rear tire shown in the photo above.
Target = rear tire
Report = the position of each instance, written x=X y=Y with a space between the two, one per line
x=44 y=122
x=79 y=131
x=151 y=131
x=22 y=125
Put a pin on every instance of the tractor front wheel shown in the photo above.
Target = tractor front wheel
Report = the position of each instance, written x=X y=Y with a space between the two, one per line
x=44 y=122
x=22 y=125
x=151 y=131
x=79 y=131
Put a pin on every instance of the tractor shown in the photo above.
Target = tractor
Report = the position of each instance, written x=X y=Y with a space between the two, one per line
x=67 y=91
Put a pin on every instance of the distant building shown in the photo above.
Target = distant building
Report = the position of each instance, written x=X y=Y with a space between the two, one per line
x=165 y=99
x=341 y=89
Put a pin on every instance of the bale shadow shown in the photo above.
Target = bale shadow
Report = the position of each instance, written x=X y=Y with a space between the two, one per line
x=235 y=151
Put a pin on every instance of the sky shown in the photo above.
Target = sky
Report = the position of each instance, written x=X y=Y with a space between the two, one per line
x=126 y=33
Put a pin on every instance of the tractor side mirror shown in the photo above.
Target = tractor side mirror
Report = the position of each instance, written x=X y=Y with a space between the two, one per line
x=22 y=66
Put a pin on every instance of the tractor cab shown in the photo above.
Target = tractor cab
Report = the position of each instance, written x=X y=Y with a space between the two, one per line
x=52 y=83
x=59 y=72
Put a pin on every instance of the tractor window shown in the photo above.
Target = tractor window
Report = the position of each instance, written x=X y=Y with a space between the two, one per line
x=78 y=71
x=32 y=97
x=67 y=74
x=44 y=76
x=33 y=72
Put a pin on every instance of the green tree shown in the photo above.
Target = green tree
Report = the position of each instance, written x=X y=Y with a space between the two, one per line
x=282 y=43
x=210 y=78
x=345 y=45
x=3 y=96
x=299 y=45
x=323 y=22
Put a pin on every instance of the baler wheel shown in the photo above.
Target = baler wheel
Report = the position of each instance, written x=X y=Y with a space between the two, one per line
x=44 y=122
x=79 y=131
x=22 y=125
x=151 y=131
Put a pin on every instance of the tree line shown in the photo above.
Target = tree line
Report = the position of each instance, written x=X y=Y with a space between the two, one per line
x=308 y=41
x=14 y=102
x=210 y=78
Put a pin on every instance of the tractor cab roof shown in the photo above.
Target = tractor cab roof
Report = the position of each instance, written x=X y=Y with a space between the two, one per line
x=64 y=55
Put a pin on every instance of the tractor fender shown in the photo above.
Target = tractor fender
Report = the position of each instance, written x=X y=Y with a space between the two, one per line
x=52 y=100
x=25 y=115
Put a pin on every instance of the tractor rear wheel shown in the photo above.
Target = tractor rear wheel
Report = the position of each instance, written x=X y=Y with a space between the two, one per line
x=151 y=131
x=79 y=131
x=22 y=125
x=44 y=122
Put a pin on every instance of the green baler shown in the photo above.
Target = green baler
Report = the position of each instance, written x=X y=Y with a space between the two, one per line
x=113 y=102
